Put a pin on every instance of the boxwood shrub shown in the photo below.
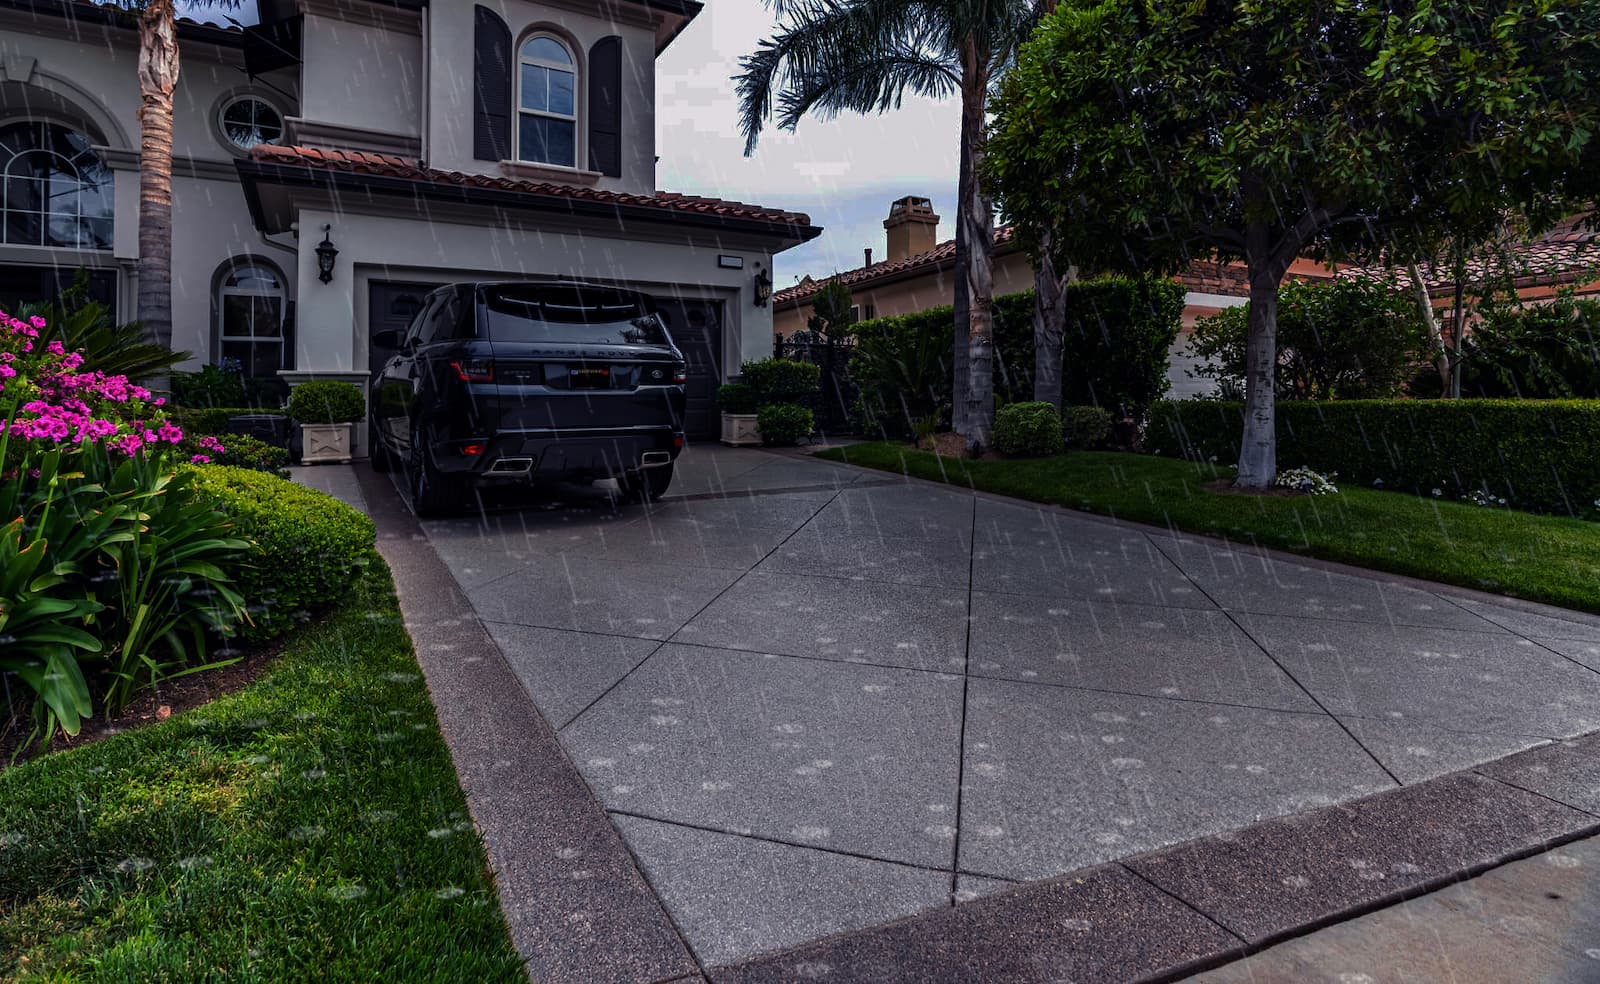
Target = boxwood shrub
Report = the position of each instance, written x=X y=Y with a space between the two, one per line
x=309 y=547
x=1085 y=427
x=784 y=424
x=210 y=420
x=1539 y=455
x=326 y=401
x=1028 y=430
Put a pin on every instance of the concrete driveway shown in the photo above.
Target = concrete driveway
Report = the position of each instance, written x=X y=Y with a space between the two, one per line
x=814 y=698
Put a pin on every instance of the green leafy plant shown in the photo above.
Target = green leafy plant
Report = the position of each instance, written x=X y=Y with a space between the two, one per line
x=219 y=385
x=211 y=420
x=902 y=367
x=784 y=424
x=780 y=380
x=238 y=450
x=736 y=398
x=84 y=325
x=1028 y=430
x=326 y=401
x=1548 y=350
x=1085 y=428
x=307 y=547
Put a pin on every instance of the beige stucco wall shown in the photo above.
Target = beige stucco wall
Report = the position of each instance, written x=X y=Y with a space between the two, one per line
x=450 y=35
x=87 y=78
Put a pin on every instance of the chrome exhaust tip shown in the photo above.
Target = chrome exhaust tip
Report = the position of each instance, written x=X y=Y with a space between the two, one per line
x=511 y=466
x=655 y=459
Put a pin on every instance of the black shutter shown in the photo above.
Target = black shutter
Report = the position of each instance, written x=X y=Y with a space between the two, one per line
x=491 y=86
x=605 y=107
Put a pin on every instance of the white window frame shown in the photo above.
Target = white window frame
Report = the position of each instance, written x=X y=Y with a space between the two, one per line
x=571 y=67
x=68 y=165
x=223 y=290
x=233 y=100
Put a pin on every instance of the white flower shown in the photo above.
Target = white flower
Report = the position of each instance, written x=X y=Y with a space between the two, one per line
x=1438 y=492
x=1305 y=480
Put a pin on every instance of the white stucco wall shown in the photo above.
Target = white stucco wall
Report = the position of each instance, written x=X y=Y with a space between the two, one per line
x=366 y=75
x=95 y=70
x=332 y=336
x=450 y=44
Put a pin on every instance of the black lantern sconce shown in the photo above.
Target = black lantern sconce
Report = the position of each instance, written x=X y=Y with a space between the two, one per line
x=326 y=254
x=763 y=286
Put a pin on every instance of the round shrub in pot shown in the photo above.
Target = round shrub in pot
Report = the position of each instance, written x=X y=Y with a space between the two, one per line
x=325 y=409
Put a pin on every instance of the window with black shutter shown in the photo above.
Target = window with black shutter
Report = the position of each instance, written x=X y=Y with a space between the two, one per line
x=491 y=86
x=605 y=107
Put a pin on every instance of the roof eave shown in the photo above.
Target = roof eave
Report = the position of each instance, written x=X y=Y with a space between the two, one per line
x=101 y=14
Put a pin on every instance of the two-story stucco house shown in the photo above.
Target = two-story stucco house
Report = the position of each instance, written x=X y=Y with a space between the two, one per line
x=412 y=143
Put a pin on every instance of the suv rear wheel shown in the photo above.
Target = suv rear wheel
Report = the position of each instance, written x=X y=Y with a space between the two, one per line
x=432 y=492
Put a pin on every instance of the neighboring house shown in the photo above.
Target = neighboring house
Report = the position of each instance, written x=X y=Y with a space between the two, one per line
x=917 y=273
x=414 y=143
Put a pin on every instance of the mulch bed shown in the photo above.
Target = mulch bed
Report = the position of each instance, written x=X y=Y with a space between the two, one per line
x=155 y=703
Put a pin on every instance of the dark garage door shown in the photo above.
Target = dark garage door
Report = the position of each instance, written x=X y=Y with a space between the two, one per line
x=390 y=306
x=696 y=327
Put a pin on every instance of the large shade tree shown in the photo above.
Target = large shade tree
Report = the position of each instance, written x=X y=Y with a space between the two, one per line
x=864 y=56
x=1139 y=134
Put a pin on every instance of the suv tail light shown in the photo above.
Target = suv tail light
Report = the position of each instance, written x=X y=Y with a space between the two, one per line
x=474 y=370
x=680 y=374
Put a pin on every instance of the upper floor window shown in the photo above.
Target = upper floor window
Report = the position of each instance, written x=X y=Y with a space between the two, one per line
x=547 y=103
x=54 y=190
x=247 y=121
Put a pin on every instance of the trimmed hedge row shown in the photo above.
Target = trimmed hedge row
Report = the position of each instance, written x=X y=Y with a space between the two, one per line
x=211 y=420
x=310 y=548
x=1540 y=455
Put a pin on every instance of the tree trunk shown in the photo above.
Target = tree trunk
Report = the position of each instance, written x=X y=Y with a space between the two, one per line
x=1459 y=328
x=976 y=218
x=1258 y=450
x=958 y=339
x=1441 y=355
x=158 y=76
x=1049 y=325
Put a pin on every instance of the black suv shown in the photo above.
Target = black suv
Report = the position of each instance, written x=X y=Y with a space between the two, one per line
x=531 y=383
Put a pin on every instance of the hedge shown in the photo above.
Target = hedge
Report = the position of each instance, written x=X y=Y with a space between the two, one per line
x=1028 y=430
x=310 y=548
x=1540 y=455
x=211 y=420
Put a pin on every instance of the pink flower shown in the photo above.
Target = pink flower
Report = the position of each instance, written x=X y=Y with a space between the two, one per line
x=199 y=459
x=170 y=433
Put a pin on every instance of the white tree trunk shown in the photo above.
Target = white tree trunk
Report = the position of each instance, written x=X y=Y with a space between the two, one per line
x=1441 y=355
x=1258 y=449
x=1049 y=325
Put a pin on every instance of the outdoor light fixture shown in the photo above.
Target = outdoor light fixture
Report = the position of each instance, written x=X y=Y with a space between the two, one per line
x=763 y=286
x=326 y=253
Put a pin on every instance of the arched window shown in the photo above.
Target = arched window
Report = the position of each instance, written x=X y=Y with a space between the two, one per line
x=54 y=189
x=249 y=312
x=547 y=103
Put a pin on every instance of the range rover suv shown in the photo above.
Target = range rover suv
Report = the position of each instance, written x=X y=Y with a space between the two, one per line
x=535 y=383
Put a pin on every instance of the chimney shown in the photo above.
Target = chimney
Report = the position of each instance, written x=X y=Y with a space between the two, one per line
x=912 y=227
x=867 y=255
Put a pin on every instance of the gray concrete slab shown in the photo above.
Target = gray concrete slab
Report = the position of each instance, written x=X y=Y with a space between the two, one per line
x=711 y=470
x=1140 y=649
x=1100 y=925
x=565 y=591
x=1587 y=653
x=860 y=622
x=733 y=896
x=1281 y=876
x=903 y=510
x=933 y=561
x=1566 y=771
x=1466 y=681
x=339 y=481
x=565 y=671
x=772 y=510
x=1415 y=751
x=969 y=887
x=1535 y=921
x=858 y=759
x=1529 y=619
x=1059 y=779
x=1250 y=580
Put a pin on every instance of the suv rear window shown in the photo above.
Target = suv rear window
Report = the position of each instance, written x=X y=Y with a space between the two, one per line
x=569 y=317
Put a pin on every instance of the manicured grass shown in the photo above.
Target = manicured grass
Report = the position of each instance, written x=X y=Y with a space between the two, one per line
x=1543 y=558
x=307 y=827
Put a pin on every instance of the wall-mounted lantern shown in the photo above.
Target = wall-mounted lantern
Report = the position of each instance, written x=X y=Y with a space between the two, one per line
x=326 y=254
x=763 y=286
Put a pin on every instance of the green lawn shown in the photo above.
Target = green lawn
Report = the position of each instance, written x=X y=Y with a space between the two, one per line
x=1544 y=558
x=307 y=827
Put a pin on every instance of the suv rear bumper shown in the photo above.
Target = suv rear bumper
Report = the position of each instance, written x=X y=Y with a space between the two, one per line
x=566 y=455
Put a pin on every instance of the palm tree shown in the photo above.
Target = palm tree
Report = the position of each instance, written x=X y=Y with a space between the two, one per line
x=863 y=56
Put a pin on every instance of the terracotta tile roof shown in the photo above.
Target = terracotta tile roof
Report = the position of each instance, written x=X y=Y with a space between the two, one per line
x=99 y=11
x=1568 y=254
x=941 y=253
x=390 y=166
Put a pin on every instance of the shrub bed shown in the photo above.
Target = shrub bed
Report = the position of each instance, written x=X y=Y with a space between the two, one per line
x=308 y=546
x=1085 y=427
x=211 y=420
x=1028 y=430
x=1538 y=455
x=784 y=424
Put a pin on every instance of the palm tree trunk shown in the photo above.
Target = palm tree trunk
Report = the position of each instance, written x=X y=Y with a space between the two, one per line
x=976 y=218
x=158 y=77
x=962 y=305
x=1049 y=325
x=1258 y=450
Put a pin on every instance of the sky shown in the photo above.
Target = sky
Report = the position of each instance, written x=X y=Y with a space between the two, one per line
x=842 y=172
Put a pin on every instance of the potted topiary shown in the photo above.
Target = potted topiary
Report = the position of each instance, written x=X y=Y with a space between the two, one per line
x=738 y=403
x=325 y=409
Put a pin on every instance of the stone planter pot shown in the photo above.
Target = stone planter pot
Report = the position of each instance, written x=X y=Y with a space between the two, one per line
x=740 y=430
x=325 y=444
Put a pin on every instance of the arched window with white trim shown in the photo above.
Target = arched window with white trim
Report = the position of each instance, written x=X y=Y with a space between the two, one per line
x=547 y=102
x=249 y=317
x=54 y=189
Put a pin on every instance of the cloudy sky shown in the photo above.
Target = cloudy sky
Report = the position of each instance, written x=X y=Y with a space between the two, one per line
x=842 y=172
